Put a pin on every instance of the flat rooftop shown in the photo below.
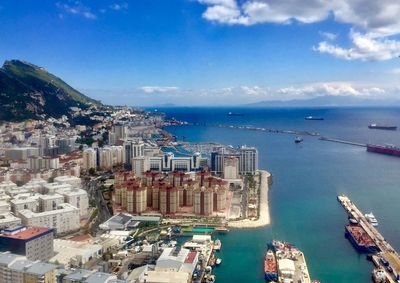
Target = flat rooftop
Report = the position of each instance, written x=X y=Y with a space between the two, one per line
x=27 y=233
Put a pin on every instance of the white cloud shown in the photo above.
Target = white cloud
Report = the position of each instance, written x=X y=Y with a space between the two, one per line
x=119 y=6
x=158 y=89
x=329 y=35
x=76 y=8
x=364 y=47
x=374 y=21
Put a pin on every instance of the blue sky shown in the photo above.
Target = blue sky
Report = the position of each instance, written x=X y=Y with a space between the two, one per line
x=209 y=52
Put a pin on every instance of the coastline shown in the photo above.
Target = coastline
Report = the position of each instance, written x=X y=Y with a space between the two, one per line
x=264 y=218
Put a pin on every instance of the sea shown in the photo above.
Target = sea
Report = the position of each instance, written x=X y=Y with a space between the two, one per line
x=307 y=178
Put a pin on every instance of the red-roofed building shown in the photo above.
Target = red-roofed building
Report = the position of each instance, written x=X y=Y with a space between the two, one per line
x=36 y=243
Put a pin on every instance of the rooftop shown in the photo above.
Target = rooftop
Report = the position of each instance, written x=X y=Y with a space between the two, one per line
x=40 y=268
x=25 y=233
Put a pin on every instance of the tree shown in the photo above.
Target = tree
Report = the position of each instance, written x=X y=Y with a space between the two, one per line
x=92 y=171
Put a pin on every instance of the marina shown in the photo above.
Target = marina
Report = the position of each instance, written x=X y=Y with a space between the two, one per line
x=387 y=258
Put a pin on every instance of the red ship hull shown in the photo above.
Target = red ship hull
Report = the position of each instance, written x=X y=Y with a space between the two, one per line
x=389 y=150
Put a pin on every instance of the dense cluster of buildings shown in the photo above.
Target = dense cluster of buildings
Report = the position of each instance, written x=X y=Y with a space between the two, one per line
x=177 y=192
x=59 y=205
x=141 y=156
x=15 y=268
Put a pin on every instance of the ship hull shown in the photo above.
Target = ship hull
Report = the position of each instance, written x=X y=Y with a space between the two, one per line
x=384 y=150
x=357 y=246
x=271 y=276
x=389 y=128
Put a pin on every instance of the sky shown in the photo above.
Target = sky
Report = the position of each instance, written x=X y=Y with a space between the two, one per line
x=209 y=52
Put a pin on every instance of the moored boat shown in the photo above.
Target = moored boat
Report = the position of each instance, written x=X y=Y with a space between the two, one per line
x=384 y=149
x=270 y=266
x=379 y=275
x=371 y=219
x=361 y=241
x=217 y=245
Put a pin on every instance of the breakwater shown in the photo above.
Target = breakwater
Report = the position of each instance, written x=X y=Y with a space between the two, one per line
x=342 y=141
x=259 y=129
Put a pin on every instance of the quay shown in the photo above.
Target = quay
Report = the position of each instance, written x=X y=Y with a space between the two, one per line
x=387 y=252
x=342 y=141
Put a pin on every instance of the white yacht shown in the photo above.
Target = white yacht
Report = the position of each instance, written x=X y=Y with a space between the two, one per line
x=371 y=219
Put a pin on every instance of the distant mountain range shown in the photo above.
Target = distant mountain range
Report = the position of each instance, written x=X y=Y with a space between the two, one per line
x=327 y=101
x=28 y=91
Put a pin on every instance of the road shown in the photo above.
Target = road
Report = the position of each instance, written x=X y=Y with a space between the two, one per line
x=94 y=193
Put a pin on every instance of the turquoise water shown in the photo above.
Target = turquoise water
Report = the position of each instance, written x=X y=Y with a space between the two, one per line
x=202 y=230
x=307 y=178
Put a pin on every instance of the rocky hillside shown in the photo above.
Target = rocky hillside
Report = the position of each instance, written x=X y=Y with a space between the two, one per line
x=28 y=91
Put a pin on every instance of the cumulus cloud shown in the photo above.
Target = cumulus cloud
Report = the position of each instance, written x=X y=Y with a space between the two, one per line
x=374 y=21
x=76 y=8
x=331 y=89
x=158 y=89
x=364 y=47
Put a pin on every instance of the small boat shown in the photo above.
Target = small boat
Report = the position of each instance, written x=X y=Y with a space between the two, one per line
x=352 y=220
x=221 y=230
x=298 y=139
x=217 y=245
x=218 y=261
x=209 y=278
x=371 y=219
x=314 y=118
x=235 y=114
x=379 y=275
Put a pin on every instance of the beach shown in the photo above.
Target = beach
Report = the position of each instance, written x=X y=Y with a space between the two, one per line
x=264 y=217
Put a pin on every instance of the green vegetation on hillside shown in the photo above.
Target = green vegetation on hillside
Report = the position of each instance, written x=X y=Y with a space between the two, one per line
x=28 y=91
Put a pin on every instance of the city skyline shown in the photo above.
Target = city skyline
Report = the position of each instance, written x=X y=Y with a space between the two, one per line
x=209 y=52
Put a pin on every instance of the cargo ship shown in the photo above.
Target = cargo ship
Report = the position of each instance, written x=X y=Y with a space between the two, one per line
x=382 y=127
x=270 y=267
x=361 y=241
x=384 y=149
x=314 y=118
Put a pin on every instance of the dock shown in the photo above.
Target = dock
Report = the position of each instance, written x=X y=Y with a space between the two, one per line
x=343 y=141
x=387 y=252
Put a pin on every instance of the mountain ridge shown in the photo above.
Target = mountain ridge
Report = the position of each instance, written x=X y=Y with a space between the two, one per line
x=28 y=91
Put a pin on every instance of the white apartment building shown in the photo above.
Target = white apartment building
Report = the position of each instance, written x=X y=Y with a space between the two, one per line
x=50 y=202
x=77 y=198
x=64 y=219
x=89 y=159
x=72 y=180
x=8 y=219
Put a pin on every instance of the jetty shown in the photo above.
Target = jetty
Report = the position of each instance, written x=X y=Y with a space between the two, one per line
x=387 y=252
x=342 y=141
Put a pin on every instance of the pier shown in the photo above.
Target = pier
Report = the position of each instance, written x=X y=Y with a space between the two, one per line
x=342 y=141
x=387 y=252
